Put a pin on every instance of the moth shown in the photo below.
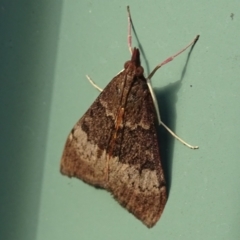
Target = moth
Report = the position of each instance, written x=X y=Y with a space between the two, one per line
x=114 y=145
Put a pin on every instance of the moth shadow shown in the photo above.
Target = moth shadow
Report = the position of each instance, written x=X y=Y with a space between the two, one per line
x=167 y=98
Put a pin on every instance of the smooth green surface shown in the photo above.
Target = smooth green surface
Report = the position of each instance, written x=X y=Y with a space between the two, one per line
x=46 y=49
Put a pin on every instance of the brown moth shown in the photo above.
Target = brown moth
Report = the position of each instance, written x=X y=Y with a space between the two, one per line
x=114 y=145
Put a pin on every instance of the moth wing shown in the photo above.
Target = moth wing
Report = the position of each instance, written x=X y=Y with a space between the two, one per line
x=136 y=177
x=84 y=155
x=132 y=172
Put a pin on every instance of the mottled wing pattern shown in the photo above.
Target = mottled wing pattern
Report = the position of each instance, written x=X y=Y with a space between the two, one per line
x=129 y=167
x=85 y=154
x=136 y=177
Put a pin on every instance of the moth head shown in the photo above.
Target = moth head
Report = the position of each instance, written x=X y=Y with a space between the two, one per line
x=134 y=64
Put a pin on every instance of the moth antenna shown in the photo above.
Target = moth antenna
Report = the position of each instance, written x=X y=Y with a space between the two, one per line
x=169 y=59
x=129 y=38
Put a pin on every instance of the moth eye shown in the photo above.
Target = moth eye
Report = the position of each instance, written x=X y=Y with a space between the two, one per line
x=139 y=71
x=126 y=64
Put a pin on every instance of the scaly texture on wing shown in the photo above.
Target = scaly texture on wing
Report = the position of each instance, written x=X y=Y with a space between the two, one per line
x=85 y=154
x=136 y=178
x=127 y=165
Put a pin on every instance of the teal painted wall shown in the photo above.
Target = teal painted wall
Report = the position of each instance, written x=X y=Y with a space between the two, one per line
x=47 y=47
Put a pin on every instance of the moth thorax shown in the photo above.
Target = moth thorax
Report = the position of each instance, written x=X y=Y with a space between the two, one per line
x=131 y=67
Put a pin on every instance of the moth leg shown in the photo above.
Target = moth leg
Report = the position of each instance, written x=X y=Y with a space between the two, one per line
x=94 y=84
x=129 y=38
x=178 y=138
x=159 y=118
x=154 y=97
x=173 y=56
